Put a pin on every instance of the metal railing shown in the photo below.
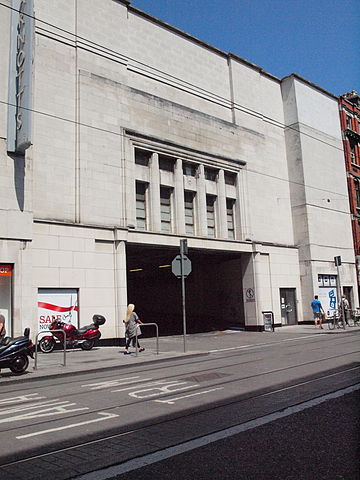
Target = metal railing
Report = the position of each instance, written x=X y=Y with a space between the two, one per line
x=49 y=331
x=157 y=336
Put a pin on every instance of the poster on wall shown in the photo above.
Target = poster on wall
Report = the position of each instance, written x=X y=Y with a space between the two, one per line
x=57 y=304
x=328 y=299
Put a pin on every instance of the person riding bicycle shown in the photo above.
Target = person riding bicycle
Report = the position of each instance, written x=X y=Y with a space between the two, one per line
x=318 y=311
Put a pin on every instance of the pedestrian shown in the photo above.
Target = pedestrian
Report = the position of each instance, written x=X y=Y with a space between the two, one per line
x=2 y=328
x=345 y=307
x=132 y=328
x=318 y=311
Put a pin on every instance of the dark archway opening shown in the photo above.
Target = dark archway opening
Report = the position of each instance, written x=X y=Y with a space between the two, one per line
x=213 y=289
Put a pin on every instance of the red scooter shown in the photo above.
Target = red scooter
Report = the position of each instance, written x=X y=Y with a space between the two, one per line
x=83 y=337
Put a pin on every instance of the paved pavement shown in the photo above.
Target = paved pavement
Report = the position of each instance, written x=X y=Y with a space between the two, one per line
x=170 y=348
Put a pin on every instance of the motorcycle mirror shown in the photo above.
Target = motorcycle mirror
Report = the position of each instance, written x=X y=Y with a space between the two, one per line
x=27 y=332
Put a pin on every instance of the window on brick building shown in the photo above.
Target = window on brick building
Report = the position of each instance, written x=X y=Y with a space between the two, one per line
x=357 y=193
x=348 y=122
x=353 y=153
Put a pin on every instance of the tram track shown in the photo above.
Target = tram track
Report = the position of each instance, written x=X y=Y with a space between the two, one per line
x=181 y=417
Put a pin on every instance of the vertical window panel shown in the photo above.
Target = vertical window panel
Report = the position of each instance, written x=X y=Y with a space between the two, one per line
x=166 y=209
x=189 y=213
x=230 y=218
x=210 y=215
x=141 y=205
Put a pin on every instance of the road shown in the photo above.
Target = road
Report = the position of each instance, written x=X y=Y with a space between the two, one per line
x=69 y=426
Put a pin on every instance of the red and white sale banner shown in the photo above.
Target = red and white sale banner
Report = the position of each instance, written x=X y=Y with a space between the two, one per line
x=57 y=304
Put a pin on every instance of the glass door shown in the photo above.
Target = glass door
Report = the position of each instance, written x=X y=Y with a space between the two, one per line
x=288 y=306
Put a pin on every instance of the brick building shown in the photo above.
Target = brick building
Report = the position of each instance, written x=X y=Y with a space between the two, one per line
x=123 y=135
x=350 y=126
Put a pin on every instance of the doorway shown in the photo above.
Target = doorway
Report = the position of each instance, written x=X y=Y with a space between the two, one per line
x=288 y=306
x=347 y=291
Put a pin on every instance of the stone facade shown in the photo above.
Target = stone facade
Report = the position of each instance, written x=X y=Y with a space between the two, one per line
x=110 y=82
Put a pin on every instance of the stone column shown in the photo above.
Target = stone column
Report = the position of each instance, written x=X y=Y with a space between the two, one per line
x=120 y=287
x=155 y=219
x=221 y=207
x=201 y=203
x=179 y=199
x=128 y=182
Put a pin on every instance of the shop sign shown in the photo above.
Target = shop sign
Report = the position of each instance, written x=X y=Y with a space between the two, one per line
x=5 y=270
x=20 y=76
x=57 y=304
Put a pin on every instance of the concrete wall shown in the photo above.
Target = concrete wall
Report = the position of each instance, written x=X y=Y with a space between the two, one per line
x=319 y=197
x=109 y=79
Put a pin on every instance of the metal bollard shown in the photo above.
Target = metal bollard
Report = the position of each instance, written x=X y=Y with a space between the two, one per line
x=157 y=337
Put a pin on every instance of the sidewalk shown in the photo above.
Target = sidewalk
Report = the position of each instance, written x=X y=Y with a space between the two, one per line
x=170 y=348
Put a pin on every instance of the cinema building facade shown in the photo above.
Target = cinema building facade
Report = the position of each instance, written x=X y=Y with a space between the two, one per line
x=121 y=135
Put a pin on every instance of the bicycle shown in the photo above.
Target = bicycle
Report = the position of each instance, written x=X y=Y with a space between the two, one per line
x=354 y=318
x=336 y=320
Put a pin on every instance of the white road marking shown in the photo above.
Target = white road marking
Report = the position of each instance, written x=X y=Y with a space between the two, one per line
x=161 y=388
x=257 y=345
x=159 y=384
x=161 y=455
x=115 y=383
x=30 y=397
x=171 y=401
x=104 y=416
x=46 y=409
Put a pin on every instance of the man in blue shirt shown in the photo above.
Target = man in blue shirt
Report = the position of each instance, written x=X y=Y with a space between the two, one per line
x=318 y=311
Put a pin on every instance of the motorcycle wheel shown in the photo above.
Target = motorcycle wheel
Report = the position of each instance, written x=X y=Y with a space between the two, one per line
x=87 y=344
x=20 y=364
x=46 y=345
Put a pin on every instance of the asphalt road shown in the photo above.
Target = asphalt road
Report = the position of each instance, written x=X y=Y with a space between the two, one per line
x=69 y=426
x=319 y=443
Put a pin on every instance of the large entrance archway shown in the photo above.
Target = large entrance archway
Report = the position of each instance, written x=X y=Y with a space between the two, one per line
x=213 y=289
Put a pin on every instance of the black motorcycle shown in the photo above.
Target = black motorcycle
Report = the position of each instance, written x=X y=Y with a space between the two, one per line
x=14 y=352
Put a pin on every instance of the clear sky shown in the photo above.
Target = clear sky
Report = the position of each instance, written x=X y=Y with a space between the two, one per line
x=317 y=39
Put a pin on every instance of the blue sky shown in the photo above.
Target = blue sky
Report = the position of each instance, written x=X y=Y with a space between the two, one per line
x=317 y=39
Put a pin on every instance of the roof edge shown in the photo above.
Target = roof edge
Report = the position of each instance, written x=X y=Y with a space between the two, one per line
x=311 y=84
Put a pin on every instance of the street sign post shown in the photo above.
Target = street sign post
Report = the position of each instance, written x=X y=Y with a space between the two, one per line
x=181 y=268
x=337 y=261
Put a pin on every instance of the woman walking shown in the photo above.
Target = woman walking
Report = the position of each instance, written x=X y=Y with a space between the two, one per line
x=132 y=328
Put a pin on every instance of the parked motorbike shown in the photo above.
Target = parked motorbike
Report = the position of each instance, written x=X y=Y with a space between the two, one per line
x=83 y=337
x=14 y=352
